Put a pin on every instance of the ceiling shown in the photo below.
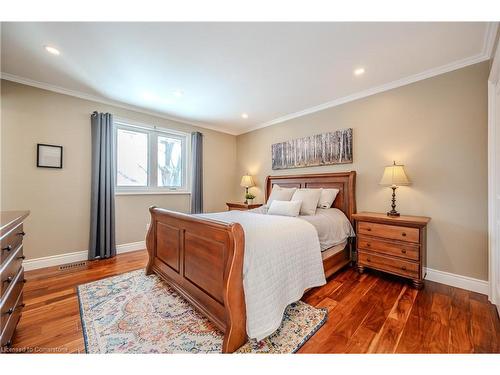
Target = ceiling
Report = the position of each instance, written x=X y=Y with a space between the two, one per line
x=210 y=74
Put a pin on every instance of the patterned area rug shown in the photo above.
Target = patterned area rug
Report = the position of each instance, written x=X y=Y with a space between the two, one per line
x=135 y=313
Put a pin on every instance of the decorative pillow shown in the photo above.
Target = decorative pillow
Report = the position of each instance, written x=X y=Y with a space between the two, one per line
x=309 y=198
x=327 y=197
x=284 y=208
x=280 y=194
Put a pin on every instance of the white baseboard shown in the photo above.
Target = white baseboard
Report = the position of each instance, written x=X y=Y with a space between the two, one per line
x=54 y=260
x=78 y=256
x=132 y=246
x=458 y=281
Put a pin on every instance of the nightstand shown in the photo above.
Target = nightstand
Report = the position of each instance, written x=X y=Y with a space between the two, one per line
x=241 y=206
x=396 y=245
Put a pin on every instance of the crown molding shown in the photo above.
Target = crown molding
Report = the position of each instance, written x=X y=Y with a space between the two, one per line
x=114 y=103
x=375 y=90
x=490 y=37
x=486 y=53
x=488 y=44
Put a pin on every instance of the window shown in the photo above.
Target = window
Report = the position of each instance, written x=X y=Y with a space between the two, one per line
x=150 y=160
x=169 y=161
x=131 y=158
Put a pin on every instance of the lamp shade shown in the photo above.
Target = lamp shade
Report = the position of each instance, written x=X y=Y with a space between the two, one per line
x=247 y=181
x=395 y=175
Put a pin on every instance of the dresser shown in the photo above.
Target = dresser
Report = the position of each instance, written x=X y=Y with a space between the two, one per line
x=11 y=273
x=241 y=206
x=395 y=245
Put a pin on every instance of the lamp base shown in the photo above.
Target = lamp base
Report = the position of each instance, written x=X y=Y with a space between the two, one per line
x=393 y=212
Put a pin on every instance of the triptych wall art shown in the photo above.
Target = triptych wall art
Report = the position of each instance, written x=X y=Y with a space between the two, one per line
x=315 y=150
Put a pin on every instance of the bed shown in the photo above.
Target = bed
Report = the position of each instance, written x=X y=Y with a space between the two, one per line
x=203 y=259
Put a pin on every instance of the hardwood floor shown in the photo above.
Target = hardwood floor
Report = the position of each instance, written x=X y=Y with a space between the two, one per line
x=369 y=313
x=377 y=313
x=51 y=318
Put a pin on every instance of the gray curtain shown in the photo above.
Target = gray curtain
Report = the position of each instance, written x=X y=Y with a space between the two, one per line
x=197 y=175
x=102 y=211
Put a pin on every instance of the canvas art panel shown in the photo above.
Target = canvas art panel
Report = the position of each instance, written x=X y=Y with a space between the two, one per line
x=315 y=150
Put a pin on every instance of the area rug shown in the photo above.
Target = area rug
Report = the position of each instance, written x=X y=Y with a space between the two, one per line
x=135 y=313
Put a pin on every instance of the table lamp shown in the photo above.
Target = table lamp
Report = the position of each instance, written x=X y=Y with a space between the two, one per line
x=394 y=176
x=246 y=182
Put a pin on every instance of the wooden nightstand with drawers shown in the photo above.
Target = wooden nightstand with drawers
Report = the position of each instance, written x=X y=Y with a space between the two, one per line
x=241 y=206
x=396 y=245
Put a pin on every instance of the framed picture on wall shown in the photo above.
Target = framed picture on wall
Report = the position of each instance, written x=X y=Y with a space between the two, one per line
x=49 y=156
x=334 y=147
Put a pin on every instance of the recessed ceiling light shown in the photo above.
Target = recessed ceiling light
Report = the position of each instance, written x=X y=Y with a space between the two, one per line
x=178 y=93
x=359 y=71
x=244 y=115
x=148 y=96
x=52 y=50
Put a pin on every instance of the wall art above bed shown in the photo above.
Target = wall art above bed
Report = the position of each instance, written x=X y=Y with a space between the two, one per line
x=315 y=150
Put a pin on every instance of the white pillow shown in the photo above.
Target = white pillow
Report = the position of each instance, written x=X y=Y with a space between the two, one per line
x=284 y=208
x=327 y=197
x=309 y=198
x=280 y=194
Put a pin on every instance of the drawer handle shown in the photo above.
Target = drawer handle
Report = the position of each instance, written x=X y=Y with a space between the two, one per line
x=403 y=268
x=369 y=229
x=403 y=251
x=21 y=257
x=8 y=248
x=368 y=244
x=24 y=281
x=368 y=260
x=21 y=234
x=8 y=280
x=403 y=234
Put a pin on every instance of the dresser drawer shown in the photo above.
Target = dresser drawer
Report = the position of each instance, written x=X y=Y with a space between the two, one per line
x=11 y=241
x=393 y=232
x=10 y=301
x=10 y=268
x=403 y=250
x=10 y=325
x=388 y=264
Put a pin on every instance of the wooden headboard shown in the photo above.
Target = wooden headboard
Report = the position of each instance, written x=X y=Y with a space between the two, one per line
x=344 y=181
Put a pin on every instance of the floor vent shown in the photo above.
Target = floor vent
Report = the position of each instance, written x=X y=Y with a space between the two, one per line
x=73 y=265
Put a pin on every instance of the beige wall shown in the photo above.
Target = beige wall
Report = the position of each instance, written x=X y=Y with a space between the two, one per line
x=59 y=199
x=438 y=129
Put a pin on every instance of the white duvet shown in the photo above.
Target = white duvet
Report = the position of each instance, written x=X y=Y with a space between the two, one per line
x=282 y=259
x=332 y=225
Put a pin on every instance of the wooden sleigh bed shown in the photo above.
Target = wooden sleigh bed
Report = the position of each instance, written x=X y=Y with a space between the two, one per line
x=203 y=259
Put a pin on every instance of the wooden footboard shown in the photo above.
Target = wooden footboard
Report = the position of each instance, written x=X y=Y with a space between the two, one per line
x=203 y=261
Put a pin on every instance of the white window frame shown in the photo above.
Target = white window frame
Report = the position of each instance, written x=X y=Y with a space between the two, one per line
x=153 y=132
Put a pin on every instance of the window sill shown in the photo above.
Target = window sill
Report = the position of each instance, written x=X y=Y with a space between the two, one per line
x=152 y=193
